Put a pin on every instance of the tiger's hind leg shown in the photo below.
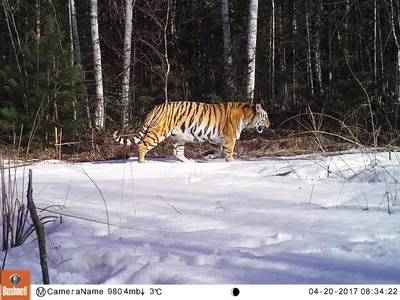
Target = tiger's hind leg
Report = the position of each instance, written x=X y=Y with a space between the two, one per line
x=179 y=150
x=228 y=146
x=143 y=149
x=149 y=141
x=214 y=152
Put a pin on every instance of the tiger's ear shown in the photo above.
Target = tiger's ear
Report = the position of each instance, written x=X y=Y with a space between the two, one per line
x=259 y=108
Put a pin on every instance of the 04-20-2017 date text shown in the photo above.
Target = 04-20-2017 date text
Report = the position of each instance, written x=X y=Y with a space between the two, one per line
x=353 y=291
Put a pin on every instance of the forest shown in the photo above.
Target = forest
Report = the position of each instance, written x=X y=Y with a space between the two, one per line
x=98 y=66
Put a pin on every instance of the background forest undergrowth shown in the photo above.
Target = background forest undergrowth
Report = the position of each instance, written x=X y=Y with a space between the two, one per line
x=328 y=73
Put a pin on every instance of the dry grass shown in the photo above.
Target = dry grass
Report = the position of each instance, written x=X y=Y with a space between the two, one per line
x=103 y=147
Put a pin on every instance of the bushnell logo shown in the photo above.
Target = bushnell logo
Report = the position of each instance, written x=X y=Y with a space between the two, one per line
x=15 y=284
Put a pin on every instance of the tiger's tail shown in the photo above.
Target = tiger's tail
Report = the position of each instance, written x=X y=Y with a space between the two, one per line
x=124 y=141
x=141 y=133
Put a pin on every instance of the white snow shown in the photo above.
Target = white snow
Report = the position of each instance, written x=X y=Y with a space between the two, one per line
x=305 y=219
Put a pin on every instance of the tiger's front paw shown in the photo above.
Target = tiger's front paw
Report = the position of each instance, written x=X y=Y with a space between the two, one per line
x=230 y=159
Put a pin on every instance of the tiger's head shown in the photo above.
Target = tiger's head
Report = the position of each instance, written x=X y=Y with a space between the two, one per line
x=260 y=119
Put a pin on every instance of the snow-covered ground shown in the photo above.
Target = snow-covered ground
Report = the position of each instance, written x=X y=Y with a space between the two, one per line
x=308 y=219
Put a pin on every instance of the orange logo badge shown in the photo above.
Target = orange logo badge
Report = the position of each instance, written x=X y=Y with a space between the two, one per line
x=15 y=285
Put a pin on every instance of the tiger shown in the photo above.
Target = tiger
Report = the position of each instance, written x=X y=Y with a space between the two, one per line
x=185 y=121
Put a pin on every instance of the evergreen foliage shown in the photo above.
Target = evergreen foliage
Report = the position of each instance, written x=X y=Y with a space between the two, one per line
x=45 y=93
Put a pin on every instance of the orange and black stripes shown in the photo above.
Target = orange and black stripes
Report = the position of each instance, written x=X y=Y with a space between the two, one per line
x=219 y=124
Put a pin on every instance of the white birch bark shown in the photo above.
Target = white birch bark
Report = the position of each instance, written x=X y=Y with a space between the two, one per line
x=375 y=44
x=228 y=60
x=167 y=66
x=100 y=109
x=251 y=49
x=272 y=48
x=309 y=63
x=126 y=74
x=317 y=48
x=294 y=33
x=38 y=38
x=71 y=37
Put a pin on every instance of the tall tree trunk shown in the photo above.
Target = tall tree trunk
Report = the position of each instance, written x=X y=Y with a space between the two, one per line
x=331 y=56
x=375 y=43
x=78 y=59
x=251 y=49
x=317 y=49
x=228 y=70
x=100 y=109
x=294 y=60
x=71 y=37
x=135 y=108
x=126 y=73
x=309 y=54
x=272 y=48
x=167 y=65
x=382 y=60
x=38 y=36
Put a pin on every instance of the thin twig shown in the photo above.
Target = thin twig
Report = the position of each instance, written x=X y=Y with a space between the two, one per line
x=159 y=197
x=64 y=261
x=102 y=196
x=66 y=196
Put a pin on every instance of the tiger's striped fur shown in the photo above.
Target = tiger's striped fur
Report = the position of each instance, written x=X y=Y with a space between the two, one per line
x=219 y=124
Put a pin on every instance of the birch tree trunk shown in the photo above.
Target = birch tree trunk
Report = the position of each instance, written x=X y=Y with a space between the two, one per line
x=226 y=29
x=330 y=72
x=294 y=61
x=126 y=74
x=71 y=37
x=375 y=44
x=251 y=49
x=309 y=55
x=38 y=37
x=317 y=48
x=167 y=66
x=100 y=111
x=78 y=58
x=272 y=47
